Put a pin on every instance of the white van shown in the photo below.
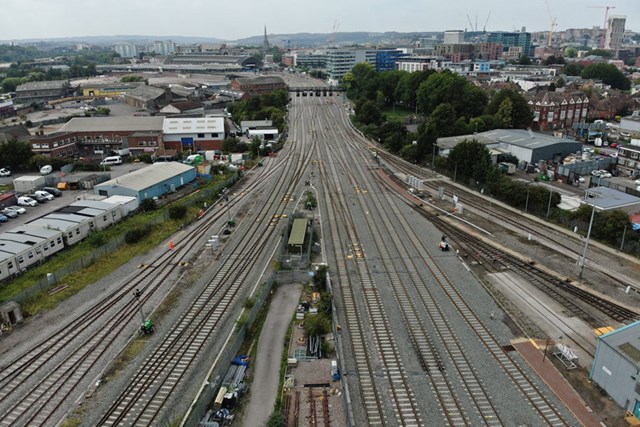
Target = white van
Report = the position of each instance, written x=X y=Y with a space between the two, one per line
x=112 y=160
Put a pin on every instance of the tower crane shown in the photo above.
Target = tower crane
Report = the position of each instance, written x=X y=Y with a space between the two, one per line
x=606 y=16
x=332 y=36
x=484 y=29
x=552 y=24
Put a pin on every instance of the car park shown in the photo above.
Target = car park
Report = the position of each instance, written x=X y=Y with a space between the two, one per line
x=9 y=213
x=46 y=170
x=26 y=201
x=54 y=191
x=5 y=172
x=45 y=194
x=17 y=209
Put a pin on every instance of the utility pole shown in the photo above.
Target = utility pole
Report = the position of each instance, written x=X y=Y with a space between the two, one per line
x=586 y=242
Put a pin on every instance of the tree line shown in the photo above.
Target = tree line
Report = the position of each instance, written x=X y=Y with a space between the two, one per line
x=446 y=104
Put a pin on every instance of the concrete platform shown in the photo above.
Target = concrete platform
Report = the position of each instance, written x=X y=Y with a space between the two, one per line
x=533 y=354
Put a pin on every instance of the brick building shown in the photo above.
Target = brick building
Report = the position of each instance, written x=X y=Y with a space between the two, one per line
x=99 y=136
x=559 y=110
x=258 y=85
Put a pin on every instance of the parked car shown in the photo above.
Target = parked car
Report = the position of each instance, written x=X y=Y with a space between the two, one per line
x=581 y=179
x=16 y=209
x=46 y=170
x=3 y=218
x=605 y=174
x=595 y=173
x=5 y=172
x=637 y=182
x=54 y=191
x=9 y=213
x=26 y=201
x=38 y=198
x=44 y=194
x=614 y=145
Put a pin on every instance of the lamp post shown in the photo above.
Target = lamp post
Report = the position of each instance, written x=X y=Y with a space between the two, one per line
x=586 y=242
x=549 y=205
x=433 y=158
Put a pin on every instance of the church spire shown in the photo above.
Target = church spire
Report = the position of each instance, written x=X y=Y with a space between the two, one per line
x=266 y=40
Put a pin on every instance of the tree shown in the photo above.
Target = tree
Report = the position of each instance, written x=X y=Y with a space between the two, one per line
x=601 y=52
x=470 y=160
x=447 y=87
x=505 y=113
x=522 y=114
x=230 y=144
x=443 y=120
x=15 y=154
x=11 y=83
x=554 y=60
x=408 y=87
x=368 y=113
x=388 y=82
x=572 y=69
x=571 y=52
x=364 y=82
x=524 y=60
x=608 y=73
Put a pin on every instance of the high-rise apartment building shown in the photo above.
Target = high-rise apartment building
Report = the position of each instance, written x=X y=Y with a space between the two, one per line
x=126 y=50
x=164 y=47
x=615 y=32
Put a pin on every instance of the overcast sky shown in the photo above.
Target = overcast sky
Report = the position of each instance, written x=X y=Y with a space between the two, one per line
x=231 y=20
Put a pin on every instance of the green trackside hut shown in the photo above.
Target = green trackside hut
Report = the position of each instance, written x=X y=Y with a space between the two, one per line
x=298 y=233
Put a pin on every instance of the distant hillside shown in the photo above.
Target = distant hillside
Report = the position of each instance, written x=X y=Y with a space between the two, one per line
x=298 y=40
x=110 y=40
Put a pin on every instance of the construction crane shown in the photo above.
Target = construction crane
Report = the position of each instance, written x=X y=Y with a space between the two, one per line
x=470 y=23
x=484 y=29
x=604 y=27
x=332 y=36
x=552 y=24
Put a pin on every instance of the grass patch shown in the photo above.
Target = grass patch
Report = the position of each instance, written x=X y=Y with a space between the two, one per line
x=125 y=358
x=397 y=114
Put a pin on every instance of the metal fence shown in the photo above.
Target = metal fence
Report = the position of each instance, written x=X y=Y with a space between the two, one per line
x=56 y=277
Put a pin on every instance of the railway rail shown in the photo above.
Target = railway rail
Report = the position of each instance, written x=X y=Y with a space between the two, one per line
x=367 y=312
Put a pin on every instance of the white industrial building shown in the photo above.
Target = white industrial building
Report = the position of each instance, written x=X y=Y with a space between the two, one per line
x=101 y=214
x=616 y=366
x=194 y=134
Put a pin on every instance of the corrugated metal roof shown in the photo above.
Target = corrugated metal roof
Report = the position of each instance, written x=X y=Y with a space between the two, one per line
x=146 y=177
x=113 y=124
x=34 y=231
x=298 y=231
x=193 y=125
x=146 y=93
x=50 y=84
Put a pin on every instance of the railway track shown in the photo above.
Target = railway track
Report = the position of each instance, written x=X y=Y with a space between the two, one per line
x=568 y=242
x=162 y=372
x=35 y=386
x=393 y=252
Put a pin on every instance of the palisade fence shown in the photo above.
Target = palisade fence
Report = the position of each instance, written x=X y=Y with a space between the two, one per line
x=47 y=282
x=209 y=389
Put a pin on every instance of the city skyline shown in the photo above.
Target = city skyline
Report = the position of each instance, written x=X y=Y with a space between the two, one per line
x=198 y=18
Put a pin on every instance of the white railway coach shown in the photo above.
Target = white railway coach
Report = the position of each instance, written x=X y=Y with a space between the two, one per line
x=74 y=228
x=24 y=246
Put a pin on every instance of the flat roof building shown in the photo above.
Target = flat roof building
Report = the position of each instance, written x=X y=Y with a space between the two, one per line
x=525 y=145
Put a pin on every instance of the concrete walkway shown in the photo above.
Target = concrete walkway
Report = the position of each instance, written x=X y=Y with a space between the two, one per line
x=264 y=388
